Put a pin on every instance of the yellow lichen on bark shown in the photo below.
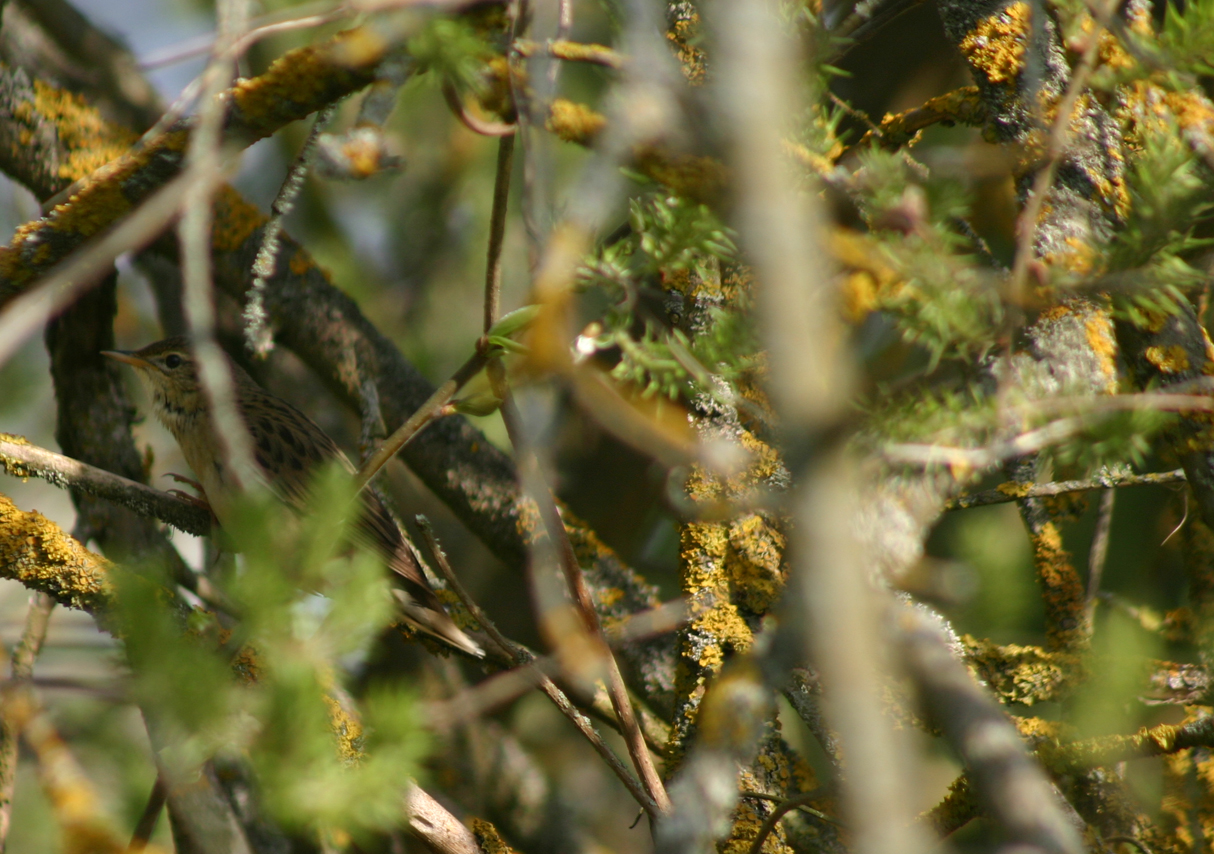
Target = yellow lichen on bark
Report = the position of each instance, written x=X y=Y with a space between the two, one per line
x=308 y=75
x=997 y=44
x=37 y=552
x=487 y=837
x=91 y=142
x=347 y=731
x=1169 y=360
x=573 y=122
x=1099 y=329
x=1023 y=674
x=235 y=220
x=1061 y=590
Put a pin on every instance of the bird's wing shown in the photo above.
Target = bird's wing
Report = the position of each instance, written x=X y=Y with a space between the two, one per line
x=289 y=446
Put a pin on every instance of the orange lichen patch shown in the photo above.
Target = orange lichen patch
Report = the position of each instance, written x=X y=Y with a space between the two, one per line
x=735 y=709
x=1081 y=258
x=1061 y=590
x=36 y=552
x=756 y=549
x=1188 y=792
x=702 y=179
x=1038 y=731
x=1023 y=674
x=748 y=820
x=247 y=666
x=996 y=46
x=871 y=281
x=1099 y=332
x=964 y=106
x=310 y=76
x=487 y=838
x=1056 y=312
x=1192 y=110
x=707 y=543
x=495 y=94
x=235 y=220
x=94 y=209
x=1169 y=360
x=1110 y=52
x=728 y=630
x=1015 y=490
x=347 y=731
x=684 y=35
x=573 y=122
x=90 y=140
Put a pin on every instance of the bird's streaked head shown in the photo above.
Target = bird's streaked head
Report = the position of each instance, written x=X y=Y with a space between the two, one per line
x=167 y=370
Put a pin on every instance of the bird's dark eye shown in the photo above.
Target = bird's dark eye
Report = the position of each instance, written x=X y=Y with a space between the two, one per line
x=173 y=361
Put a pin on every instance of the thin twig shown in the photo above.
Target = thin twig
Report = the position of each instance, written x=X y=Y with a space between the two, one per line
x=1100 y=551
x=520 y=656
x=146 y=825
x=434 y=407
x=564 y=23
x=497 y=230
x=555 y=528
x=1056 y=431
x=1016 y=491
x=21 y=459
x=783 y=808
x=36 y=621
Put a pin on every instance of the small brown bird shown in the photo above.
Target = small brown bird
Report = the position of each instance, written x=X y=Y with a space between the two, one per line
x=288 y=447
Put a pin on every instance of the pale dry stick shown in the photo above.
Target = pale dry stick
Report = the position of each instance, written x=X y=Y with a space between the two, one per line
x=1044 y=490
x=77 y=805
x=497 y=230
x=1024 y=444
x=1059 y=138
x=555 y=527
x=1007 y=780
x=257 y=335
x=812 y=380
x=75 y=274
x=194 y=235
x=32 y=637
x=1037 y=439
x=438 y=828
x=521 y=656
x=564 y=23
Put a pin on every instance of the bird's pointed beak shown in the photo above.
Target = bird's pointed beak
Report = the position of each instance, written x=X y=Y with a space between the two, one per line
x=128 y=357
